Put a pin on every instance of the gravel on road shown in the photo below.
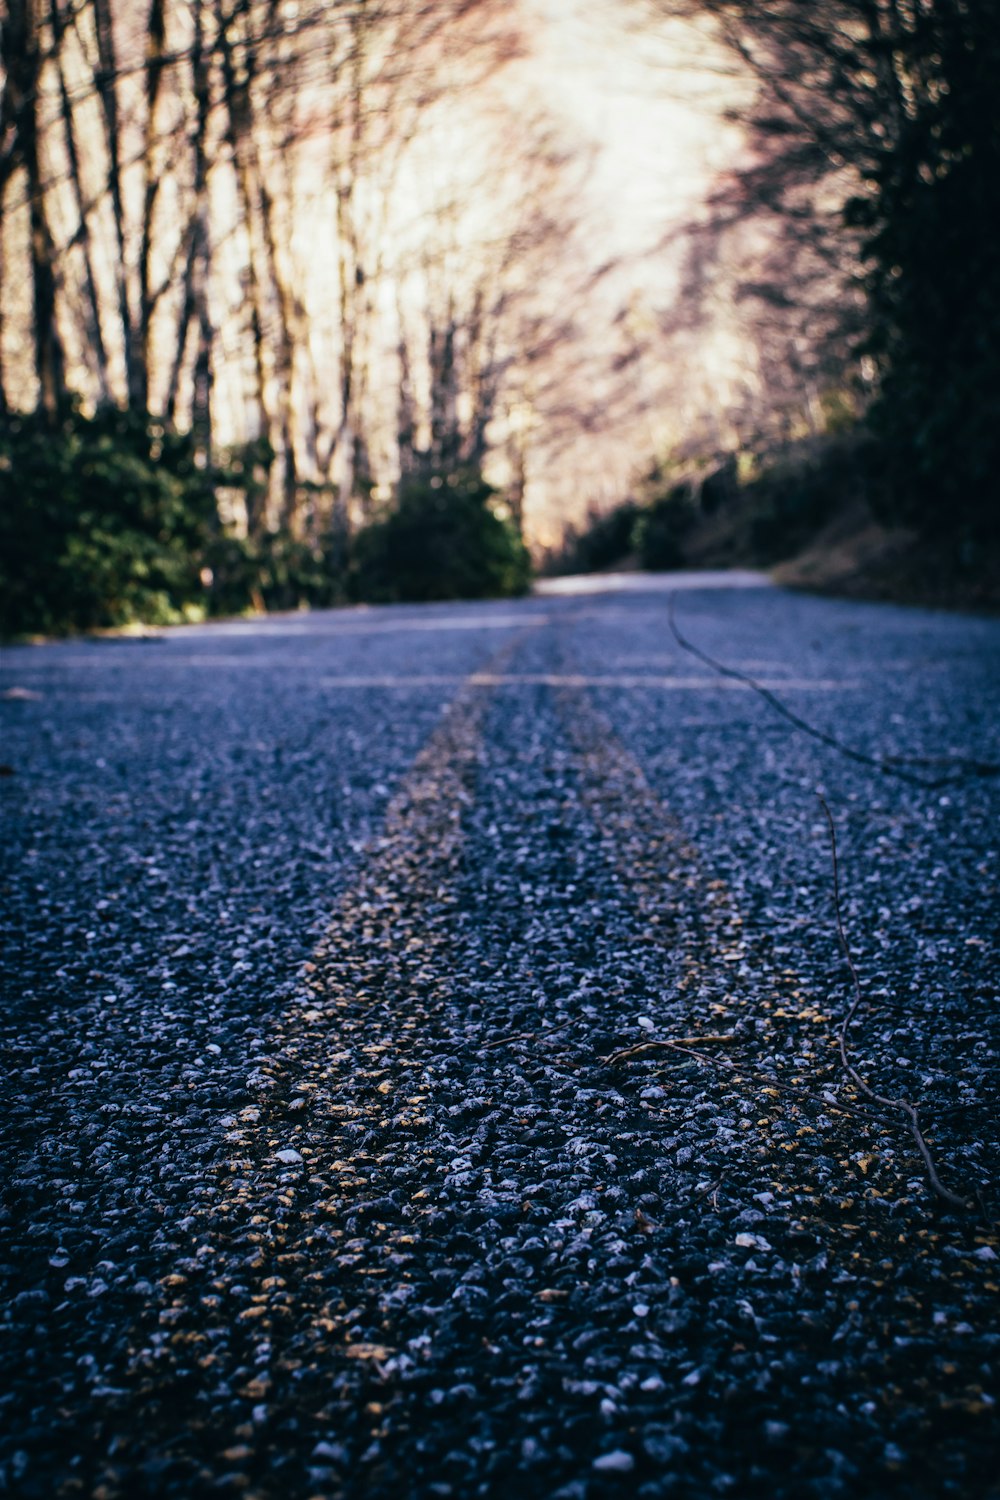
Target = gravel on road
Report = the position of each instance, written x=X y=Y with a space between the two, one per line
x=423 y=1075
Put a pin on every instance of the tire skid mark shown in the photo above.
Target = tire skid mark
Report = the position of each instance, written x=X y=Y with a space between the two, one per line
x=645 y=843
x=784 y=1050
x=391 y=933
x=296 y=1166
x=710 y=983
x=694 y=924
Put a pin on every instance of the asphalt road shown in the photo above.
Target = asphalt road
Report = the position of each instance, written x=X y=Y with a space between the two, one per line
x=323 y=938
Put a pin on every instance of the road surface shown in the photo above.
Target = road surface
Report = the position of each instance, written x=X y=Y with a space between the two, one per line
x=324 y=938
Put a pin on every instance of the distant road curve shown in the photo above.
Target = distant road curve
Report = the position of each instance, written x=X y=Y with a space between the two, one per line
x=653 y=583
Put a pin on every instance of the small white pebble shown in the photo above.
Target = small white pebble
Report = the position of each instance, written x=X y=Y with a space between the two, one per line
x=288 y=1156
x=752 y=1242
x=328 y=1450
x=617 y=1462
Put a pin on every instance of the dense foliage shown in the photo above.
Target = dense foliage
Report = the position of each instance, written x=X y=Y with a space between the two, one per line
x=103 y=521
x=603 y=541
x=934 y=286
x=715 y=518
x=441 y=540
x=110 y=520
x=891 y=107
x=661 y=526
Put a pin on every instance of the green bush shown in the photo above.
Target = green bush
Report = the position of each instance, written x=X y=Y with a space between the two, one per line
x=802 y=488
x=103 y=522
x=442 y=540
x=295 y=574
x=276 y=572
x=604 y=542
x=661 y=527
x=934 y=280
x=109 y=520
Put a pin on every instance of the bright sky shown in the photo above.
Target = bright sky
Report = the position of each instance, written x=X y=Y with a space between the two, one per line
x=644 y=104
x=648 y=101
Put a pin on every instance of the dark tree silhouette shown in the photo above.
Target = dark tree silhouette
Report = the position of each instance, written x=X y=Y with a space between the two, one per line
x=880 y=123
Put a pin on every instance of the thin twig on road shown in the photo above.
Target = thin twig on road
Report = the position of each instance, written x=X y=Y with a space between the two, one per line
x=527 y=1036
x=910 y=1110
x=764 y=1080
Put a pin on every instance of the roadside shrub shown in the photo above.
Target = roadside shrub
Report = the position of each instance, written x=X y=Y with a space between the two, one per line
x=604 y=542
x=662 y=526
x=102 y=522
x=276 y=572
x=442 y=540
x=799 y=491
x=233 y=575
x=294 y=574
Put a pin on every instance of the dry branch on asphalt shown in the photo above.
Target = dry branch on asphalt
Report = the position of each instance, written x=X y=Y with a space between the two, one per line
x=764 y=1080
x=910 y=1110
x=889 y=765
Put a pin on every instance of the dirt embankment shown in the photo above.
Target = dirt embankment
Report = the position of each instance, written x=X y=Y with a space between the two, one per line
x=851 y=554
x=855 y=556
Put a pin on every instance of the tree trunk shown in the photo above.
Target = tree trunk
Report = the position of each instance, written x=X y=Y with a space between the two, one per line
x=105 y=81
x=21 y=59
x=284 y=357
x=239 y=125
x=92 y=315
x=195 y=321
x=155 y=47
x=201 y=409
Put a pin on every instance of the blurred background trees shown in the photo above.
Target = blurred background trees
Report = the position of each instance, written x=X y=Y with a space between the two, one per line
x=273 y=273
x=857 y=224
x=879 y=144
x=217 y=221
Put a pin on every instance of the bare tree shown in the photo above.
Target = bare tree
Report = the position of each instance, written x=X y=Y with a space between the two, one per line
x=22 y=56
x=178 y=154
